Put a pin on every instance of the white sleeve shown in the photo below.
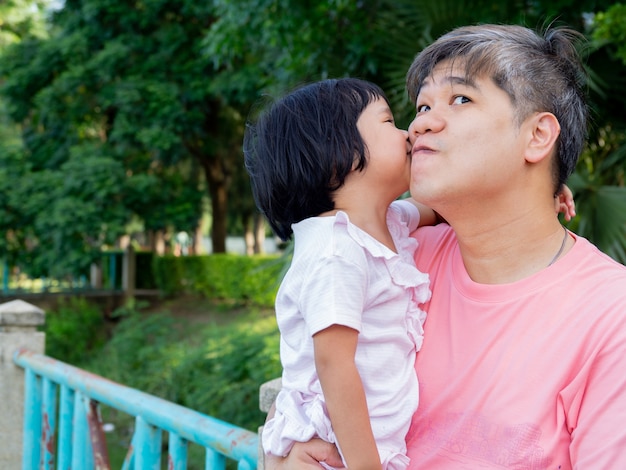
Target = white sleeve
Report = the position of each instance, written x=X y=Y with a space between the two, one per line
x=334 y=294
x=409 y=214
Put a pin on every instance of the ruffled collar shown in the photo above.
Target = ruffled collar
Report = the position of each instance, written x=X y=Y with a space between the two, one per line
x=401 y=265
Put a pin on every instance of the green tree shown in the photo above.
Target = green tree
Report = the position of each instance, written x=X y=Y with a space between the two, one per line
x=261 y=48
x=155 y=95
x=610 y=30
x=267 y=46
x=22 y=18
x=19 y=19
x=599 y=179
x=119 y=100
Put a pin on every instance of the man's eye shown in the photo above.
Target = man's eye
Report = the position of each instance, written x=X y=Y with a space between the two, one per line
x=461 y=99
x=422 y=108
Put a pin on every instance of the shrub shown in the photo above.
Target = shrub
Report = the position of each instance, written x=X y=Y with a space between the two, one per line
x=216 y=370
x=223 y=375
x=144 y=277
x=75 y=330
x=248 y=279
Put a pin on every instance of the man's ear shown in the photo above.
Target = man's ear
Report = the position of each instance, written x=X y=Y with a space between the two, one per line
x=544 y=129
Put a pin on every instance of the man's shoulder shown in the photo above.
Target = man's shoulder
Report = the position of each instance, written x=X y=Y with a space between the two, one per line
x=596 y=278
x=595 y=262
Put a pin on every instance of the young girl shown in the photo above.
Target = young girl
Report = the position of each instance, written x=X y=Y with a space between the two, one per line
x=326 y=163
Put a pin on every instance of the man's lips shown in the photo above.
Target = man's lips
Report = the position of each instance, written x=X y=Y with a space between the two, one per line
x=422 y=149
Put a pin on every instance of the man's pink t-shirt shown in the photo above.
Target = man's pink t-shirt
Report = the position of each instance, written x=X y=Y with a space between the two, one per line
x=528 y=375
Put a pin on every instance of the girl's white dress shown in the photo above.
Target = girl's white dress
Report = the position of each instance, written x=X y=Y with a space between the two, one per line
x=341 y=275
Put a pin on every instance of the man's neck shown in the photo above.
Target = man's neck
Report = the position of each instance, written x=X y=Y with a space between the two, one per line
x=513 y=249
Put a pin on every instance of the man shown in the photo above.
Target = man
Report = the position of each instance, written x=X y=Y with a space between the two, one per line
x=524 y=357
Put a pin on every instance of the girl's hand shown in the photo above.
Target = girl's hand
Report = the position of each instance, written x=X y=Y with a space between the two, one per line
x=564 y=202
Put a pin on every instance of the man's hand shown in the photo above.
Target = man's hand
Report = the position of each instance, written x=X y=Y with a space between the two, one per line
x=306 y=455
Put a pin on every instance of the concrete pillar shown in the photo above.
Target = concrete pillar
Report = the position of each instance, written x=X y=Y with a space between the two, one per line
x=267 y=395
x=95 y=275
x=18 y=328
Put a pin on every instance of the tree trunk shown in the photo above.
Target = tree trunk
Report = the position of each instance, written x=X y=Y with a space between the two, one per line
x=198 y=249
x=248 y=235
x=217 y=149
x=259 y=233
x=159 y=242
x=218 y=180
x=219 y=199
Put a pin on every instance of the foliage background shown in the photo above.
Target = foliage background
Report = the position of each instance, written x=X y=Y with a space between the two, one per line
x=123 y=118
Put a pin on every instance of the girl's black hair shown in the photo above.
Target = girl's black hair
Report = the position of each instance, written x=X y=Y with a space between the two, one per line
x=303 y=146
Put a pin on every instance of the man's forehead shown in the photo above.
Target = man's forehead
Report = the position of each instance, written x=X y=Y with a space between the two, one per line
x=451 y=73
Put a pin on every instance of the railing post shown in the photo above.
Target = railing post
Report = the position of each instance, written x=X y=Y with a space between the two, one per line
x=18 y=328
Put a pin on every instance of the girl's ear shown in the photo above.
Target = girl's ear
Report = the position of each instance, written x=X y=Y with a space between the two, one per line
x=544 y=130
x=355 y=161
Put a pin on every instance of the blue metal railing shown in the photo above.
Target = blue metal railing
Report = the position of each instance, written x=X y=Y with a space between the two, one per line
x=81 y=444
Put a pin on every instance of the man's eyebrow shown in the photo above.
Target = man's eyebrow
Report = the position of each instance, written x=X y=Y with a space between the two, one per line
x=461 y=80
x=452 y=80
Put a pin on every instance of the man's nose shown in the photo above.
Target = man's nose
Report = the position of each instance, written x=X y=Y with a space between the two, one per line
x=425 y=122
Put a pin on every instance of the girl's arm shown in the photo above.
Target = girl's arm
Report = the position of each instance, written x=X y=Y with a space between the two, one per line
x=335 y=348
x=427 y=215
x=564 y=202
